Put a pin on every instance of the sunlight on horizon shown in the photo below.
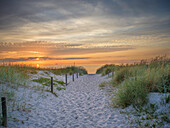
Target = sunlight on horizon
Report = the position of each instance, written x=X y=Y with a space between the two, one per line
x=37 y=66
x=89 y=33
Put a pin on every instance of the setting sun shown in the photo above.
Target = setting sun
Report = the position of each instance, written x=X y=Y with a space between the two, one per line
x=38 y=66
x=37 y=59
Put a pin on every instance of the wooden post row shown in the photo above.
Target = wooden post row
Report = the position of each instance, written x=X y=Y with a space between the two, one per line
x=4 y=112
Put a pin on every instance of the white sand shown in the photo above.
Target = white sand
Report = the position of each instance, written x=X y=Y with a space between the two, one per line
x=82 y=105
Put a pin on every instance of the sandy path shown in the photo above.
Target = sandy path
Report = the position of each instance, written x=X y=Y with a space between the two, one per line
x=82 y=105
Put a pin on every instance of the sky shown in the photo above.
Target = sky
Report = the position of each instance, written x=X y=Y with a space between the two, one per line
x=89 y=33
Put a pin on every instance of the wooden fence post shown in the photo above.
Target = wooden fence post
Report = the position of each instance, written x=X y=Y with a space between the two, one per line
x=66 y=78
x=77 y=75
x=4 y=112
x=73 y=76
x=52 y=84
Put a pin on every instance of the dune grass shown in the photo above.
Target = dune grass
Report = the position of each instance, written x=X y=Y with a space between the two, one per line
x=13 y=75
x=69 y=70
x=103 y=84
x=135 y=81
x=47 y=82
x=18 y=75
x=121 y=75
x=131 y=92
x=106 y=69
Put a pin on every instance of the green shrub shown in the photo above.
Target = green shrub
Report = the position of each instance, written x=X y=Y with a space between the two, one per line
x=121 y=75
x=131 y=92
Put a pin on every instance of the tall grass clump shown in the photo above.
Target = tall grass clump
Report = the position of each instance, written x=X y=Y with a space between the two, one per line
x=131 y=92
x=136 y=81
x=12 y=75
x=121 y=75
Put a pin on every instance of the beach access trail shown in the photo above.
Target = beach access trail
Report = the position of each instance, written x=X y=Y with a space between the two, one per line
x=82 y=105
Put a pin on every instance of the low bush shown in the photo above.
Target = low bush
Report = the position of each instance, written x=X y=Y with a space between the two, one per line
x=121 y=75
x=131 y=92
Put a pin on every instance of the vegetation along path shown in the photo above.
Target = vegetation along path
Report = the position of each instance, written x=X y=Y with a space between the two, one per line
x=83 y=105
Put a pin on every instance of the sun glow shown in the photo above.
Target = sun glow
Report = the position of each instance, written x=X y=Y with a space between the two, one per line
x=38 y=66
x=37 y=59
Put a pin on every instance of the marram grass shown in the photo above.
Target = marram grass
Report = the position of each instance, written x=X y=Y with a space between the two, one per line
x=135 y=81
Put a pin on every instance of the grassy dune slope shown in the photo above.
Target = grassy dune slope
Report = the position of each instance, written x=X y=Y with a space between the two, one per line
x=135 y=81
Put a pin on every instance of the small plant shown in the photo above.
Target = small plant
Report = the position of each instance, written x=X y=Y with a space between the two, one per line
x=42 y=80
x=47 y=81
x=60 y=82
x=103 y=84
x=59 y=88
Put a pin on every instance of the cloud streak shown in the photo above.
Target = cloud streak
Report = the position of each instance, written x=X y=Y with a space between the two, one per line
x=40 y=58
x=58 y=51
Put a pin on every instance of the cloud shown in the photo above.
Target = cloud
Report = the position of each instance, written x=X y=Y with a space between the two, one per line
x=83 y=21
x=5 y=46
x=117 y=61
x=58 y=51
x=80 y=29
x=40 y=58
